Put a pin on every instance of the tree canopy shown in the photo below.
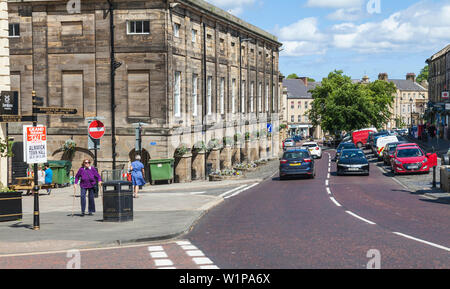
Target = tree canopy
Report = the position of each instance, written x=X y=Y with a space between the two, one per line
x=295 y=76
x=342 y=105
x=423 y=74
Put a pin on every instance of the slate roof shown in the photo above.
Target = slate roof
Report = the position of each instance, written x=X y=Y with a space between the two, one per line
x=407 y=85
x=296 y=89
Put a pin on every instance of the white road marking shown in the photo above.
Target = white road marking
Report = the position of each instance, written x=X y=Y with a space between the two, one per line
x=328 y=191
x=362 y=219
x=158 y=255
x=155 y=249
x=232 y=191
x=163 y=262
x=197 y=193
x=327 y=182
x=240 y=191
x=328 y=176
x=422 y=241
x=335 y=202
x=196 y=253
x=189 y=247
x=209 y=267
x=183 y=243
x=202 y=261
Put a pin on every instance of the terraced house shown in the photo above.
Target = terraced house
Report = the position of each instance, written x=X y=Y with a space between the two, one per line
x=174 y=65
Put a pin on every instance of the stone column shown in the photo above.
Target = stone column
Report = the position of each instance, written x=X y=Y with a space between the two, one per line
x=225 y=158
x=236 y=154
x=254 y=151
x=198 y=166
x=183 y=169
x=262 y=147
x=245 y=151
x=214 y=159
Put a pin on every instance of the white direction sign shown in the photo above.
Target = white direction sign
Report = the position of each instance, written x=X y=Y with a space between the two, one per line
x=35 y=144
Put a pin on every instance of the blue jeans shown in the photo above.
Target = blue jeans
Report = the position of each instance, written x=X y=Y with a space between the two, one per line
x=91 y=207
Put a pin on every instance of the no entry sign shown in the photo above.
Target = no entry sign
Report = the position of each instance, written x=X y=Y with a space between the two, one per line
x=96 y=129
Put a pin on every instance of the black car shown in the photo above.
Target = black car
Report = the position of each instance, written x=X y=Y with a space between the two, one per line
x=297 y=163
x=353 y=161
x=344 y=146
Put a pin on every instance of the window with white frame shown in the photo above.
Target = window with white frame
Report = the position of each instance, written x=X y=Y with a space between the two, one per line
x=252 y=96
x=176 y=29
x=14 y=30
x=243 y=97
x=233 y=96
x=177 y=94
x=209 y=88
x=222 y=95
x=260 y=97
x=139 y=27
x=194 y=36
x=267 y=97
x=194 y=95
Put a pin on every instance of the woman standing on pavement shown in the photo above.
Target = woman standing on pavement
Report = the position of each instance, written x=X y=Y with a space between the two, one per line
x=137 y=175
x=89 y=179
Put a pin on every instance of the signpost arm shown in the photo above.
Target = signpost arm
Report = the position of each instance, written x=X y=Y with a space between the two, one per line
x=36 y=221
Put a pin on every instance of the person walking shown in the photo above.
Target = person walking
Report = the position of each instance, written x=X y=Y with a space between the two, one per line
x=137 y=175
x=48 y=177
x=89 y=178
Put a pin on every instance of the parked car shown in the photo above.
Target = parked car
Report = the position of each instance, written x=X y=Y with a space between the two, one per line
x=353 y=161
x=297 y=163
x=314 y=149
x=373 y=140
x=412 y=159
x=344 y=146
x=389 y=152
x=382 y=142
x=288 y=143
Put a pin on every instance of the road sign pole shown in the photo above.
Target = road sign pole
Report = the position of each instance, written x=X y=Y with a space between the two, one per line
x=36 y=219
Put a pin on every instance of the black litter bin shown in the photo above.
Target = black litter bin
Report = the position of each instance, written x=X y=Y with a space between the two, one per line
x=209 y=169
x=117 y=201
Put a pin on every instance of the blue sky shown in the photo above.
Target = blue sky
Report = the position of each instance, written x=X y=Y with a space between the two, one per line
x=357 y=36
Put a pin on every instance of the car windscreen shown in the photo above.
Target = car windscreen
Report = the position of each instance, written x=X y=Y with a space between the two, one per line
x=392 y=148
x=296 y=155
x=310 y=145
x=409 y=153
x=352 y=154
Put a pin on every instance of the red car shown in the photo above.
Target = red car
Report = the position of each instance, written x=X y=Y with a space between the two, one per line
x=412 y=159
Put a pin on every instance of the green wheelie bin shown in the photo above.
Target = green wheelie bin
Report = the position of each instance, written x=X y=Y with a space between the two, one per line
x=162 y=170
x=61 y=172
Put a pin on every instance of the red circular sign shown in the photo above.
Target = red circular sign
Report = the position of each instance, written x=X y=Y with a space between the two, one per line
x=96 y=129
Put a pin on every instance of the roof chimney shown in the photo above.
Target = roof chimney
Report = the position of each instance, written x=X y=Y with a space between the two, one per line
x=411 y=76
x=304 y=80
x=383 y=76
x=365 y=79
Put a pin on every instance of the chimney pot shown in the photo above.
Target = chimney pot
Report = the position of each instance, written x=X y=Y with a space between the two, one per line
x=411 y=76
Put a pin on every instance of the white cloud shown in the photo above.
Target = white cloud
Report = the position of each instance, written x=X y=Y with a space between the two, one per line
x=346 y=14
x=421 y=27
x=335 y=3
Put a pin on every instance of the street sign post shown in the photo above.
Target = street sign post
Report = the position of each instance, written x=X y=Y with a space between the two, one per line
x=96 y=130
x=54 y=110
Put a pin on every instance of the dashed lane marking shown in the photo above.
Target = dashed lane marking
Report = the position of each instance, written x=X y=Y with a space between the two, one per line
x=198 y=257
x=423 y=241
x=232 y=191
x=360 y=218
x=242 y=190
x=335 y=202
x=328 y=191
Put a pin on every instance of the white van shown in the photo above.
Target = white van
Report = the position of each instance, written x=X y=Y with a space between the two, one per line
x=382 y=142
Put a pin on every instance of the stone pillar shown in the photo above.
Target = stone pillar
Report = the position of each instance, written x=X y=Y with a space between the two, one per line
x=225 y=158
x=198 y=166
x=214 y=159
x=183 y=169
x=254 y=151
x=262 y=147
x=245 y=151
x=236 y=154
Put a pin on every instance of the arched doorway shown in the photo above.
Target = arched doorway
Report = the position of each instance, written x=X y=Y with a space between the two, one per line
x=145 y=158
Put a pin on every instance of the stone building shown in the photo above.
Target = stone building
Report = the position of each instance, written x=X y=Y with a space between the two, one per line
x=297 y=101
x=410 y=101
x=439 y=83
x=183 y=63
x=4 y=79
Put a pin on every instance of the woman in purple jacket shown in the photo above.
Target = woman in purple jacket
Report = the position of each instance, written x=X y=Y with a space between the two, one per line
x=89 y=178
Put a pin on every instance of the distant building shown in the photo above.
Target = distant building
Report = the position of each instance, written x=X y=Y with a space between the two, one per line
x=298 y=100
x=410 y=101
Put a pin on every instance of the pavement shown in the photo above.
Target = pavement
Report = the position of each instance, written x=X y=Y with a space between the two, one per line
x=161 y=212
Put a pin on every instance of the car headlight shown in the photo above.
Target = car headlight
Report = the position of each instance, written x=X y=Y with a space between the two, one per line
x=397 y=162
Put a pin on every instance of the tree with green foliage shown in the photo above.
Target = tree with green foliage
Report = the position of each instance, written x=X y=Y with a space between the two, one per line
x=292 y=76
x=423 y=74
x=342 y=105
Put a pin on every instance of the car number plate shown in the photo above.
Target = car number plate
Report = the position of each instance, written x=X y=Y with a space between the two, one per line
x=296 y=165
x=413 y=167
x=353 y=169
